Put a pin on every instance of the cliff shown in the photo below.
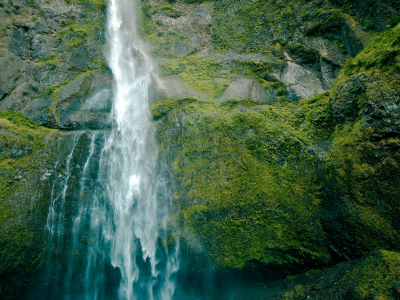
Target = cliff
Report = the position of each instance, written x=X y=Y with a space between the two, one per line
x=277 y=126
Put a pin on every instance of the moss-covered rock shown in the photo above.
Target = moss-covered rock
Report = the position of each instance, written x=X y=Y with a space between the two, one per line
x=246 y=188
x=258 y=182
x=362 y=167
x=374 y=277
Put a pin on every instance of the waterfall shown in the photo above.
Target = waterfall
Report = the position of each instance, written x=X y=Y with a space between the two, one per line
x=146 y=267
x=107 y=220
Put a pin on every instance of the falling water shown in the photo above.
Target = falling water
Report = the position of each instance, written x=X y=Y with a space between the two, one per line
x=135 y=242
x=118 y=206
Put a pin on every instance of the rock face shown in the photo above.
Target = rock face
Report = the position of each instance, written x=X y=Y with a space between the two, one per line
x=277 y=124
x=52 y=57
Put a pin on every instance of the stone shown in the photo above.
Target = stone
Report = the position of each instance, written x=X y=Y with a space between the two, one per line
x=259 y=94
x=239 y=89
x=21 y=43
x=18 y=99
x=11 y=68
x=41 y=110
x=300 y=82
x=42 y=46
x=327 y=50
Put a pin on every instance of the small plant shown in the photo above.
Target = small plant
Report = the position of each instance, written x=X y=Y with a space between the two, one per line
x=12 y=88
x=167 y=7
x=34 y=18
x=34 y=86
x=1 y=4
x=41 y=12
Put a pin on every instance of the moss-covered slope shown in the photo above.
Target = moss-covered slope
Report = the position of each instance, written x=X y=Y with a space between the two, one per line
x=295 y=185
x=247 y=185
x=363 y=165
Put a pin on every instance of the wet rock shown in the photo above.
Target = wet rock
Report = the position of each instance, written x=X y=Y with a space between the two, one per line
x=41 y=26
x=18 y=98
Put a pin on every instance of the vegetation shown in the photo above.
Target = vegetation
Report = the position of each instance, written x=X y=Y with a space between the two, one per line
x=20 y=150
x=322 y=172
x=371 y=277
x=232 y=191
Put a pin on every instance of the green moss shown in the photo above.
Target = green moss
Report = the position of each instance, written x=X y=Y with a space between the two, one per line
x=381 y=55
x=253 y=26
x=100 y=4
x=25 y=137
x=243 y=198
x=167 y=8
x=161 y=108
x=394 y=20
x=52 y=61
x=200 y=73
x=18 y=118
x=376 y=274
x=369 y=278
x=318 y=119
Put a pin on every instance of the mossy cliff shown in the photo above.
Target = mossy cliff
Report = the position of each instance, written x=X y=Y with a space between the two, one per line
x=294 y=185
x=277 y=126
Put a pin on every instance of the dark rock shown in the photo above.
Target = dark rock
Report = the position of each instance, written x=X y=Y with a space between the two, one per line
x=21 y=43
x=351 y=294
x=344 y=102
x=42 y=111
x=396 y=290
x=49 y=75
x=351 y=40
x=173 y=14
